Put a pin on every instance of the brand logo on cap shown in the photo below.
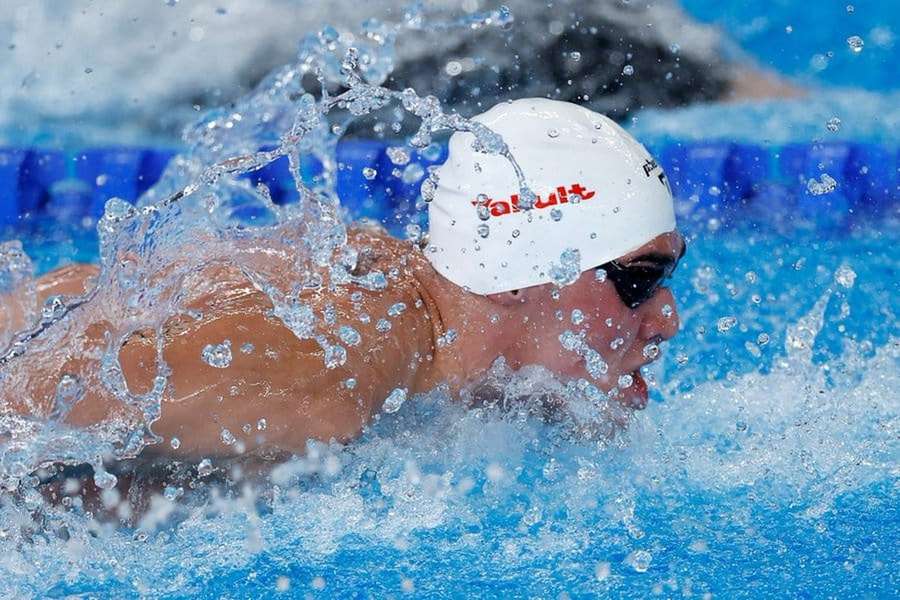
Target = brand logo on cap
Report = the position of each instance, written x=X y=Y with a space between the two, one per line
x=575 y=193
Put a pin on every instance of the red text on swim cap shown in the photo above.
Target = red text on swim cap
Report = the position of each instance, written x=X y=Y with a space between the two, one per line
x=562 y=195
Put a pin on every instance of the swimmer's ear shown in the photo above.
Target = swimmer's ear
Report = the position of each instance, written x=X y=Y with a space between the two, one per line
x=508 y=298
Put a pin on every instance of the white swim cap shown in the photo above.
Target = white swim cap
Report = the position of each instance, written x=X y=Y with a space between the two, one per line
x=598 y=192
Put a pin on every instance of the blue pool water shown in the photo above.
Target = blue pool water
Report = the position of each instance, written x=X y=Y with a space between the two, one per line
x=760 y=469
x=766 y=464
x=808 y=41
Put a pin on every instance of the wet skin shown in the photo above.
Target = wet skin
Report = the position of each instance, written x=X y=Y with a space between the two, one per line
x=283 y=379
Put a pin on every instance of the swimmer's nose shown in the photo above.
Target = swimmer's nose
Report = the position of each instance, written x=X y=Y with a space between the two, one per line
x=659 y=316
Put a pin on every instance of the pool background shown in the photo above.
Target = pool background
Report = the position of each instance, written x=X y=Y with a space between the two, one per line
x=760 y=469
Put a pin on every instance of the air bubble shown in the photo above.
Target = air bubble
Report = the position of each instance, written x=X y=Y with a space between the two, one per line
x=369 y=173
x=628 y=70
x=833 y=124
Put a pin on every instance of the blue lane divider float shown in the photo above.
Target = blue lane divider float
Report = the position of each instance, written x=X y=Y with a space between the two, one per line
x=714 y=178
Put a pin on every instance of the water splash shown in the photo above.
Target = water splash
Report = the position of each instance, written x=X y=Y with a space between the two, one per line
x=153 y=254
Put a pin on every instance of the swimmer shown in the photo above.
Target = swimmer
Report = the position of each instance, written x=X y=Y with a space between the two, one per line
x=493 y=279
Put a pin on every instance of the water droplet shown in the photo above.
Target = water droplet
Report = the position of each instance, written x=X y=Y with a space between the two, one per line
x=628 y=70
x=577 y=317
x=383 y=325
x=204 y=467
x=555 y=214
x=398 y=155
x=826 y=185
x=175 y=443
x=600 y=274
x=413 y=232
x=625 y=381
x=369 y=173
x=667 y=310
x=602 y=571
x=335 y=356
x=740 y=426
x=448 y=338
x=726 y=323
x=552 y=133
x=396 y=309
x=54 y=307
x=856 y=43
x=412 y=173
x=395 y=400
x=515 y=233
x=833 y=124
x=349 y=335
x=453 y=68
x=568 y=269
x=217 y=355
x=227 y=437
x=762 y=339
x=104 y=479
x=350 y=383
x=850 y=9
x=845 y=276
x=483 y=230
x=247 y=348
x=575 y=55
x=650 y=351
x=88 y=70
x=640 y=560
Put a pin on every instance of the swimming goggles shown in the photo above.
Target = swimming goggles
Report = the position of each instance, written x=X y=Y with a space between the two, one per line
x=639 y=279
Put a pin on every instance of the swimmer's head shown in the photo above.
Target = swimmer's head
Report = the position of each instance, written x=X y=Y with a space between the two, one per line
x=598 y=195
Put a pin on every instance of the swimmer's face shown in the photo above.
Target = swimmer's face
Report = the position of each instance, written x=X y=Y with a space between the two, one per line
x=623 y=335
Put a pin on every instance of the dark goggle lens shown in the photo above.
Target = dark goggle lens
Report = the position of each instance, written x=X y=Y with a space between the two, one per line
x=637 y=283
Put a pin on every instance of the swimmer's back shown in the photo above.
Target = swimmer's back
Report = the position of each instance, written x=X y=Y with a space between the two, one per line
x=277 y=391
